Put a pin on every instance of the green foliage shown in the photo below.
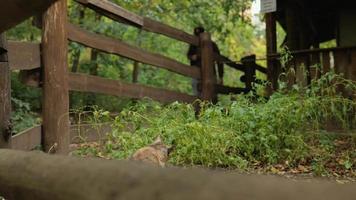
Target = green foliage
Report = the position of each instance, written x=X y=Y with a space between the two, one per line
x=26 y=102
x=242 y=133
x=22 y=117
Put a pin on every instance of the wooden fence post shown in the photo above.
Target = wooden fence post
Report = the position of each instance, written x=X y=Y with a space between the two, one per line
x=273 y=70
x=249 y=63
x=55 y=109
x=5 y=95
x=208 y=77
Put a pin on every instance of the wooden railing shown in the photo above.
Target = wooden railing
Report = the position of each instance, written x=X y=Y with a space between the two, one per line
x=311 y=64
x=45 y=65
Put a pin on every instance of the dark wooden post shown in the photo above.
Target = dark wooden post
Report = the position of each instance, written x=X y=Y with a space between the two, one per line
x=271 y=40
x=55 y=108
x=208 y=78
x=249 y=63
x=5 y=95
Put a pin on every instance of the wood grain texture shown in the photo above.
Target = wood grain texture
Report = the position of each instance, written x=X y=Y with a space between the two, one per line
x=109 y=45
x=207 y=69
x=24 y=55
x=163 y=29
x=87 y=83
x=31 y=138
x=5 y=96
x=229 y=62
x=113 y=11
x=55 y=108
x=28 y=139
x=273 y=69
x=13 y=12
x=122 y=15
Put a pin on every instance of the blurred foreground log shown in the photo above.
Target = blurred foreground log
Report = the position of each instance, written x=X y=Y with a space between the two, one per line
x=40 y=176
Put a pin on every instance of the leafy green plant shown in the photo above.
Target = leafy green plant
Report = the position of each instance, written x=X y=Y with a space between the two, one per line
x=22 y=117
x=242 y=133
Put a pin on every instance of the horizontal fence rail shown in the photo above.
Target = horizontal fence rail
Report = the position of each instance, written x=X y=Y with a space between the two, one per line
x=24 y=55
x=119 y=14
x=27 y=140
x=87 y=83
x=113 y=11
x=31 y=138
x=222 y=89
x=109 y=45
x=37 y=176
x=230 y=63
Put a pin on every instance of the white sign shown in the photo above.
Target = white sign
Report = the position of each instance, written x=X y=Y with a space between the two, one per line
x=268 y=6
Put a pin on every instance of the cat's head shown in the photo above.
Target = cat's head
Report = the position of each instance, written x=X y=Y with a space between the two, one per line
x=159 y=145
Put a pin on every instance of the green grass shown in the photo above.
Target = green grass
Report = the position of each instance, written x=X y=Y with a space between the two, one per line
x=245 y=133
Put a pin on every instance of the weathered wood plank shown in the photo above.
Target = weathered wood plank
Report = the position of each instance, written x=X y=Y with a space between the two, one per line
x=87 y=83
x=55 y=107
x=5 y=95
x=229 y=62
x=13 y=12
x=315 y=66
x=221 y=89
x=119 y=14
x=250 y=71
x=326 y=64
x=163 y=29
x=24 y=55
x=345 y=63
x=260 y=68
x=113 y=11
x=273 y=69
x=109 y=45
x=28 y=139
x=207 y=69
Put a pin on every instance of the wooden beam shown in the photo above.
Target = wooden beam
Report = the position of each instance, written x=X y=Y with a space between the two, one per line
x=117 y=13
x=109 y=45
x=27 y=140
x=207 y=69
x=55 y=108
x=113 y=11
x=87 y=83
x=261 y=69
x=230 y=63
x=311 y=51
x=5 y=95
x=13 y=12
x=31 y=138
x=163 y=29
x=273 y=70
x=221 y=89
x=24 y=55
x=250 y=71
x=38 y=176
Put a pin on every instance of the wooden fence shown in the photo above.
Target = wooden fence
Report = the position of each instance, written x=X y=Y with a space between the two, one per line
x=307 y=65
x=45 y=65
